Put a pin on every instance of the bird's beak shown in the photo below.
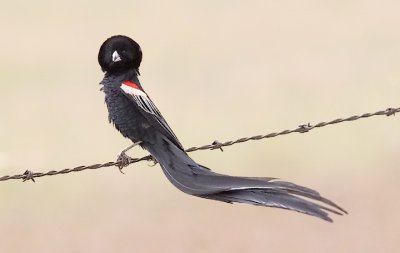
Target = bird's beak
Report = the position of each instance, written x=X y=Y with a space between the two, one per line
x=115 y=56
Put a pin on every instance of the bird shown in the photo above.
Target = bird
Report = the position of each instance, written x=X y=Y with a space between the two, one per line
x=136 y=117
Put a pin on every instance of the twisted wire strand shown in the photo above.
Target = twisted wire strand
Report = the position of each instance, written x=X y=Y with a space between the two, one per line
x=29 y=175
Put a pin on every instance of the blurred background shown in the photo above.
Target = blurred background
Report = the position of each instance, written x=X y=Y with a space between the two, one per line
x=218 y=70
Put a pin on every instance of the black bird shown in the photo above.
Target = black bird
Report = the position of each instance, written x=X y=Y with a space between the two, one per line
x=134 y=115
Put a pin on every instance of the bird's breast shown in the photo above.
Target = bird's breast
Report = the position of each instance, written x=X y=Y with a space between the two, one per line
x=125 y=115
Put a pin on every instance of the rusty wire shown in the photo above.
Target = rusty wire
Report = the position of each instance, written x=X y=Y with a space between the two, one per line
x=29 y=175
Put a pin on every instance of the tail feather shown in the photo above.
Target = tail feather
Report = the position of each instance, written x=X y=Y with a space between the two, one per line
x=273 y=199
x=194 y=179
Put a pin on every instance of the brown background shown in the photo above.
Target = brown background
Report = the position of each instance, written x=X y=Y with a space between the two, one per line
x=217 y=70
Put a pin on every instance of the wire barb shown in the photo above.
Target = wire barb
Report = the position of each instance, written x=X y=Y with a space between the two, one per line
x=305 y=128
x=217 y=145
x=28 y=176
x=390 y=111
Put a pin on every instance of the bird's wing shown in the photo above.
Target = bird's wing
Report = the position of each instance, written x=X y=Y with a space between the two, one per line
x=149 y=110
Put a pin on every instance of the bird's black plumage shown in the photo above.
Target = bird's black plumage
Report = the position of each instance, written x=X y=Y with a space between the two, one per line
x=137 y=118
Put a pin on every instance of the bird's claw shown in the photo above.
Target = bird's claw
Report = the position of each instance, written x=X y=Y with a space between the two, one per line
x=123 y=160
x=154 y=161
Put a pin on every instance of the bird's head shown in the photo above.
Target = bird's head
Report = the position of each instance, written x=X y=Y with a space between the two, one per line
x=118 y=54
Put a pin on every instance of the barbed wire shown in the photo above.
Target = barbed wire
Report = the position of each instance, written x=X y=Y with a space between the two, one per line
x=29 y=175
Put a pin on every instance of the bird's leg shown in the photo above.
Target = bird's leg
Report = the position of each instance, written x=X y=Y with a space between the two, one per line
x=123 y=159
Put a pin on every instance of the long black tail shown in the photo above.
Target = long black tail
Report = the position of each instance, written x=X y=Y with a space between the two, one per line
x=194 y=179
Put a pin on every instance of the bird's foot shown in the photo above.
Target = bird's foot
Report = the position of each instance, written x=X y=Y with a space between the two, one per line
x=153 y=160
x=123 y=160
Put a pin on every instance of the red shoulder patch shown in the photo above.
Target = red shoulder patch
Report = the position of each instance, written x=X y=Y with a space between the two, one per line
x=131 y=84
